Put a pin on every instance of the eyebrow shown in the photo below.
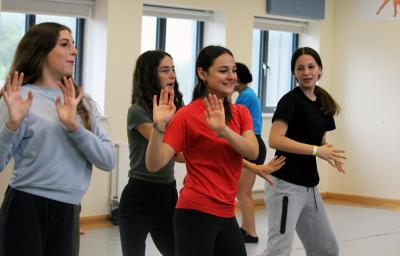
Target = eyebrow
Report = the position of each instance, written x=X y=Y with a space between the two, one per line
x=66 y=40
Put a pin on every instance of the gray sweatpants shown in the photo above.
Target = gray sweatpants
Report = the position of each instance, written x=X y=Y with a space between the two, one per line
x=297 y=208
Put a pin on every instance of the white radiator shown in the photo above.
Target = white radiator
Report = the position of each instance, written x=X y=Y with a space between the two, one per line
x=119 y=177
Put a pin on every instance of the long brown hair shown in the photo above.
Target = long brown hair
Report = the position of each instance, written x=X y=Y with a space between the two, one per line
x=329 y=106
x=31 y=55
x=205 y=60
x=146 y=82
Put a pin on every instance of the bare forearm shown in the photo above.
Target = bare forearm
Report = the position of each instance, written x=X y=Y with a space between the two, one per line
x=154 y=152
x=286 y=144
x=242 y=145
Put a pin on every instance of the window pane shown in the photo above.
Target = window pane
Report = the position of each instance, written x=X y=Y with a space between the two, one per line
x=280 y=45
x=149 y=28
x=180 y=42
x=67 y=21
x=12 y=28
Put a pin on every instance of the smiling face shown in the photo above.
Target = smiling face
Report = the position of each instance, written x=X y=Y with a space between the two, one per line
x=306 y=71
x=221 y=76
x=166 y=72
x=60 y=60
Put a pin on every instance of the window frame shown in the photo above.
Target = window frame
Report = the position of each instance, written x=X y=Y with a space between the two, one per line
x=263 y=74
x=265 y=25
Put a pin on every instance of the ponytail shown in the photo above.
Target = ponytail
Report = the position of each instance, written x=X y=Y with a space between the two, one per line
x=329 y=107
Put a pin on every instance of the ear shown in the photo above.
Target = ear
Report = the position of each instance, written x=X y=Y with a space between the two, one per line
x=202 y=73
x=319 y=72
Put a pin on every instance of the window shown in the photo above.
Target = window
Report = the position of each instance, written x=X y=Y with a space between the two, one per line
x=12 y=28
x=178 y=32
x=273 y=45
x=14 y=25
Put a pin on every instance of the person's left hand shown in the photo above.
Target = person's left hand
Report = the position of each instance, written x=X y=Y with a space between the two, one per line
x=265 y=169
x=67 y=111
x=215 y=113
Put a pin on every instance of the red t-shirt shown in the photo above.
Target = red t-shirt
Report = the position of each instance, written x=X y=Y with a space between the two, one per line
x=213 y=166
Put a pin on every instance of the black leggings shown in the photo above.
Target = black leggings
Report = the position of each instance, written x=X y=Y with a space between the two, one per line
x=145 y=208
x=35 y=226
x=201 y=234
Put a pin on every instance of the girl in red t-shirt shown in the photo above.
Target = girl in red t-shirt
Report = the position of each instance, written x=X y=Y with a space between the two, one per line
x=213 y=135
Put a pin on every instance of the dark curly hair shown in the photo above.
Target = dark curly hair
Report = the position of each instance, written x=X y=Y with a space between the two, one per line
x=146 y=83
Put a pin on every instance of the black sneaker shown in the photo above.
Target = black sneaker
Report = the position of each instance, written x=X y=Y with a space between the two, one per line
x=247 y=238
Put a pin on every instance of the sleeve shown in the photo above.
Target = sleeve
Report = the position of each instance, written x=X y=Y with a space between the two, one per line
x=176 y=132
x=9 y=140
x=285 y=109
x=96 y=145
x=331 y=124
x=136 y=116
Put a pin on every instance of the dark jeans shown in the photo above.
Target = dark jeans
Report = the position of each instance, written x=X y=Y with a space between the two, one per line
x=35 y=226
x=145 y=208
x=201 y=234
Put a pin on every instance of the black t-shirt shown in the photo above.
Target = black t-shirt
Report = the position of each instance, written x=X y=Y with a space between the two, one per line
x=306 y=124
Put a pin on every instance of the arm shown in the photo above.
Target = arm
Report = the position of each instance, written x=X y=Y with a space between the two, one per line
x=245 y=144
x=145 y=130
x=265 y=169
x=158 y=153
x=13 y=110
x=95 y=144
x=279 y=141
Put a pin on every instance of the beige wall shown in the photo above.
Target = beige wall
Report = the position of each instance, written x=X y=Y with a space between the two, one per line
x=366 y=83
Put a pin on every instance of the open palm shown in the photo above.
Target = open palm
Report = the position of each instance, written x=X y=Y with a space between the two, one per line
x=215 y=113
x=67 y=111
x=165 y=109
x=18 y=107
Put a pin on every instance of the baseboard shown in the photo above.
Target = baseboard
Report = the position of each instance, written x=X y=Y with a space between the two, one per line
x=366 y=201
x=97 y=221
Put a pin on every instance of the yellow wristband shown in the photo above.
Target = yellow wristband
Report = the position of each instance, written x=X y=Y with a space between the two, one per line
x=314 y=150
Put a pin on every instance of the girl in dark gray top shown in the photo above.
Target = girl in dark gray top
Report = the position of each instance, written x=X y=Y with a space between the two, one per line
x=148 y=200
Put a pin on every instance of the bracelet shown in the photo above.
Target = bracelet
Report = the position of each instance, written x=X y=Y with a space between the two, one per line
x=155 y=126
x=315 y=150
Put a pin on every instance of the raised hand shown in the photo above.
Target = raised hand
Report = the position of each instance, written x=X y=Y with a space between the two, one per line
x=67 y=111
x=215 y=113
x=18 y=107
x=332 y=155
x=265 y=169
x=165 y=109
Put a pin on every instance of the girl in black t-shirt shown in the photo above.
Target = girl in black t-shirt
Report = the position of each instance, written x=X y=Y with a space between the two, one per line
x=298 y=132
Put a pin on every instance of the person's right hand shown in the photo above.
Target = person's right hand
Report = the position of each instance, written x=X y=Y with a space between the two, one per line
x=165 y=109
x=17 y=107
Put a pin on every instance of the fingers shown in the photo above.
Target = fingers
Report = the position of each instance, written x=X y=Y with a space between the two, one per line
x=30 y=98
x=268 y=179
x=81 y=93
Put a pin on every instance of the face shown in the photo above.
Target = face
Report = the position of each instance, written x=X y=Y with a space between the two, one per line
x=60 y=60
x=221 y=76
x=166 y=72
x=307 y=71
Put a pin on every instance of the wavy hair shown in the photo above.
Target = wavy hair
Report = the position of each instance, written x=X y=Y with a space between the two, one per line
x=146 y=83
